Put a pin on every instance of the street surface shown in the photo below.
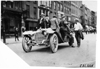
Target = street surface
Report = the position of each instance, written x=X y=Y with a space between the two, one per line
x=65 y=56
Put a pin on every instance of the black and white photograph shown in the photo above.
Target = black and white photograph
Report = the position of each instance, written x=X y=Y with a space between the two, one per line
x=57 y=33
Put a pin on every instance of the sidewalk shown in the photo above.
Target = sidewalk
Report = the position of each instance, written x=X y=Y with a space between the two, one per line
x=12 y=40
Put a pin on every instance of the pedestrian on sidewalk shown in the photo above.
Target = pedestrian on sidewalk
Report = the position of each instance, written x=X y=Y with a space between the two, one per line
x=16 y=34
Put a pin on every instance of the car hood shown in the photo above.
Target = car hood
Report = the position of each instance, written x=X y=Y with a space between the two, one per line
x=49 y=30
x=30 y=32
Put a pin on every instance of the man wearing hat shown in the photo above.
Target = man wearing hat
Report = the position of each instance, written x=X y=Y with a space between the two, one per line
x=78 y=31
x=42 y=21
x=65 y=29
x=54 y=23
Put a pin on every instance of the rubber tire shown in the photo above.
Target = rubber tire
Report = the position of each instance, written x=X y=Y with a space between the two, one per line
x=23 y=46
x=53 y=50
x=70 y=43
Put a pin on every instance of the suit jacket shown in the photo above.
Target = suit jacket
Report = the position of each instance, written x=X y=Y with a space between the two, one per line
x=48 y=24
x=64 y=27
x=44 y=23
x=54 y=23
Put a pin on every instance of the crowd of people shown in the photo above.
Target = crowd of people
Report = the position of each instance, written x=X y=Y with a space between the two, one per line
x=61 y=25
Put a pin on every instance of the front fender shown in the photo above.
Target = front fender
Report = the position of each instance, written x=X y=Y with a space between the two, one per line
x=28 y=32
x=50 y=31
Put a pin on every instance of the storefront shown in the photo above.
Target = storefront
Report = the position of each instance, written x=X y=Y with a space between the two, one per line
x=10 y=20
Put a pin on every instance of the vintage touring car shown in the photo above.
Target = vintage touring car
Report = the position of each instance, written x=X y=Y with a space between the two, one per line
x=46 y=37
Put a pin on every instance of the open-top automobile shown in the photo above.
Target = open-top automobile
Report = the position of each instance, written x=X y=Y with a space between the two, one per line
x=47 y=37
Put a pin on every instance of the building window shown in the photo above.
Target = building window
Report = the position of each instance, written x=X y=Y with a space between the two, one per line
x=35 y=2
x=60 y=7
x=54 y=5
x=64 y=9
x=50 y=4
x=20 y=5
x=43 y=2
x=11 y=4
x=16 y=5
x=35 y=12
x=8 y=4
x=3 y=3
x=68 y=10
x=46 y=3
x=40 y=2
x=28 y=10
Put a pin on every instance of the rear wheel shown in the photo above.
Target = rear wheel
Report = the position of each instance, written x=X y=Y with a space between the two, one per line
x=54 y=43
x=70 y=43
x=25 y=44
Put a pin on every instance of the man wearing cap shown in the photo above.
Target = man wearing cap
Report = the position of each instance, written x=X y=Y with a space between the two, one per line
x=42 y=21
x=78 y=31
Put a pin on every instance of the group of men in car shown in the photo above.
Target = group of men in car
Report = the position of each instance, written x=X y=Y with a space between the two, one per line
x=60 y=25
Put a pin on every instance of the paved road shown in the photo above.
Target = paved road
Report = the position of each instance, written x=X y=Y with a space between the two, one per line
x=65 y=56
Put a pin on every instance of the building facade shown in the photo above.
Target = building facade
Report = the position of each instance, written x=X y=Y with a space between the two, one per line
x=27 y=13
x=44 y=7
x=57 y=8
x=85 y=16
x=11 y=12
x=75 y=9
x=67 y=9
x=31 y=14
x=93 y=19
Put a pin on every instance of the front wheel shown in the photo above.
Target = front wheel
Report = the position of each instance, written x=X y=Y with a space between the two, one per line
x=25 y=45
x=54 y=43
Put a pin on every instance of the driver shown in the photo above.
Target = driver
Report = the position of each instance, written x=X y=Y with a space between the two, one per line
x=42 y=21
x=65 y=29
